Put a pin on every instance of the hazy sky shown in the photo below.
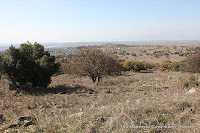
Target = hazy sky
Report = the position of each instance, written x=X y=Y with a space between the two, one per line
x=98 y=20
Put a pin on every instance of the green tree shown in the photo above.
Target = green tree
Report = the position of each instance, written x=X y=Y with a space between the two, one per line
x=29 y=65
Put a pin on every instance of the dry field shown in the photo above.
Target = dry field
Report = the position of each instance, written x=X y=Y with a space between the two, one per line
x=150 y=53
x=73 y=104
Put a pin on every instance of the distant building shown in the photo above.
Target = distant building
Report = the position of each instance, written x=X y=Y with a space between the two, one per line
x=118 y=48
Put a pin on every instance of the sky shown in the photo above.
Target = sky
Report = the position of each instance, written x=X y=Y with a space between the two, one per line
x=98 y=20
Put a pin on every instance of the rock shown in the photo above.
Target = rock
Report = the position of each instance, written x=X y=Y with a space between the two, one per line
x=138 y=101
x=191 y=91
x=26 y=121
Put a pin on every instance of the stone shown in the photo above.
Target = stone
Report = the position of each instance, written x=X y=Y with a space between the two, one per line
x=191 y=91
x=26 y=121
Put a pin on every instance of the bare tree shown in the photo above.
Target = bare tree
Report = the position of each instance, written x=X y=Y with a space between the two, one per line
x=192 y=64
x=93 y=63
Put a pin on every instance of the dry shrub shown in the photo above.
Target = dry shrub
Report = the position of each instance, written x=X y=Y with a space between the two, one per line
x=134 y=54
x=181 y=61
x=148 y=65
x=94 y=63
x=168 y=65
x=134 y=65
x=177 y=66
x=165 y=65
x=191 y=82
x=192 y=64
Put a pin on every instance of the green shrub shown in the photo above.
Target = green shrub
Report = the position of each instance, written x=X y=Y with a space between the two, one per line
x=176 y=66
x=29 y=65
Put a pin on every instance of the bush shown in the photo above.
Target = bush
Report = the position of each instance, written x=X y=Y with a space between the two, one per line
x=134 y=54
x=177 y=53
x=168 y=65
x=93 y=63
x=165 y=65
x=29 y=65
x=177 y=66
x=192 y=64
x=134 y=65
x=148 y=65
x=191 y=82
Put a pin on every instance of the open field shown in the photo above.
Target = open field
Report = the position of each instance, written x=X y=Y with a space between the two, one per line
x=152 y=54
x=147 y=53
x=100 y=66
x=73 y=104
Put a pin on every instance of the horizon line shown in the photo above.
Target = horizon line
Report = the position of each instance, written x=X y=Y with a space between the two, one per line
x=93 y=41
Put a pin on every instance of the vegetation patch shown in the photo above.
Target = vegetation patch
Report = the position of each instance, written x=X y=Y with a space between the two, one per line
x=191 y=82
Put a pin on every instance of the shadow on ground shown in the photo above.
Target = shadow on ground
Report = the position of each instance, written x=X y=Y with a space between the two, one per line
x=61 y=89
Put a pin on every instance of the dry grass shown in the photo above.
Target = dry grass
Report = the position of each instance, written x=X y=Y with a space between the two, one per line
x=134 y=99
x=146 y=53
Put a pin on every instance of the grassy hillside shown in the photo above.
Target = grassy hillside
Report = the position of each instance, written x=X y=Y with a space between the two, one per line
x=73 y=104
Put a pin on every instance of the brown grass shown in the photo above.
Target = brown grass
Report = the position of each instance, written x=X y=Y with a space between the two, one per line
x=78 y=105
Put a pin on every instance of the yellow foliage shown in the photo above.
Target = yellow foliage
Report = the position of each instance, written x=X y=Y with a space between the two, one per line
x=181 y=61
x=148 y=65
x=133 y=65
x=165 y=65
